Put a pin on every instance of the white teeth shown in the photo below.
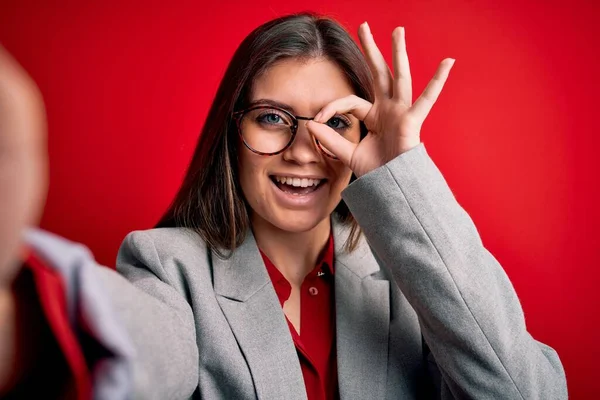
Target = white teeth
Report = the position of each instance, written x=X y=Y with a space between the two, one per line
x=297 y=182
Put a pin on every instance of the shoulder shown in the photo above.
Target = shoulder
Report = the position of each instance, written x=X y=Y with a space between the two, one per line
x=163 y=246
x=165 y=238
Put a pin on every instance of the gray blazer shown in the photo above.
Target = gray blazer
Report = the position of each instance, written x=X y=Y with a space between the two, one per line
x=423 y=310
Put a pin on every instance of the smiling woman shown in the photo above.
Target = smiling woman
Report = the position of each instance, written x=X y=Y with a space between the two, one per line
x=295 y=66
x=305 y=86
x=258 y=282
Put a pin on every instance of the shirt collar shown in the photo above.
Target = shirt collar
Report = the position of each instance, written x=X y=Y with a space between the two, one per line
x=325 y=262
x=327 y=258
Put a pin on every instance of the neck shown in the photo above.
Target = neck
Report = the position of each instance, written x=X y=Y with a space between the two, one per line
x=294 y=254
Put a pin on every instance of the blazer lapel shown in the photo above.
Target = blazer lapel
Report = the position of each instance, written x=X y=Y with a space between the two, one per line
x=362 y=321
x=249 y=302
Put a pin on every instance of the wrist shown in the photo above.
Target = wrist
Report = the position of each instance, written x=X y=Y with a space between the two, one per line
x=27 y=345
x=11 y=367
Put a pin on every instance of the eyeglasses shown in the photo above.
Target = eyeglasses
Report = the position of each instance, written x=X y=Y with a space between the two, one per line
x=268 y=130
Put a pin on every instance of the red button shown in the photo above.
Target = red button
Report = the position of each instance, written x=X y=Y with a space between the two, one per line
x=313 y=291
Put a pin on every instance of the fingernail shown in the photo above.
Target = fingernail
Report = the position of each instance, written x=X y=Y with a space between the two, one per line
x=399 y=31
x=367 y=27
x=317 y=117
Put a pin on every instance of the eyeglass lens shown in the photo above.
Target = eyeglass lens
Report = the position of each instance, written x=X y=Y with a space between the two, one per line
x=269 y=130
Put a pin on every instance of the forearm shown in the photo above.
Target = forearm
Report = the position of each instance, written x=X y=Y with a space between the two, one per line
x=165 y=360
x=145 y=344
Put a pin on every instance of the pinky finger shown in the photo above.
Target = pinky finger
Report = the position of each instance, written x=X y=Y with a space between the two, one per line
x=339 y=146
x=427 y=99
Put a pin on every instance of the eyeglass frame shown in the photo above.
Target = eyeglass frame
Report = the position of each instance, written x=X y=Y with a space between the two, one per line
x=238 y=115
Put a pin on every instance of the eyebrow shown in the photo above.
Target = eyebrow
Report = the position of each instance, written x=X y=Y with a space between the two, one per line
x=274 y=103
x=278 y=104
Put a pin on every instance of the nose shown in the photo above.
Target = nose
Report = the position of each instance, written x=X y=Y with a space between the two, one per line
x=304 y=149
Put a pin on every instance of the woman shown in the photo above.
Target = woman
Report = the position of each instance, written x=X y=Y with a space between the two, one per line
x=269 y=277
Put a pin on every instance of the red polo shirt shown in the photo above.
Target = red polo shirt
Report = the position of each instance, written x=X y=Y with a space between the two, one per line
x=316 y=343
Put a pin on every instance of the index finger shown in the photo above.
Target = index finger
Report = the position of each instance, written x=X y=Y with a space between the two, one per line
x=351 y=104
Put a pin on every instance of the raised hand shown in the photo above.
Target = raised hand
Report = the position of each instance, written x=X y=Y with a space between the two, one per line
x=23 y=157
x=393 y=121
x=22 y=161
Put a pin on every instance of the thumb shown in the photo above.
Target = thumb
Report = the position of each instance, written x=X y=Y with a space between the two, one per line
x=332 y=141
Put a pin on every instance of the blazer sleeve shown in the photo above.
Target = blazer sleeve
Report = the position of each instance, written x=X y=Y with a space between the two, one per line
x=159 y=319
x=469 y=313
x=137 y=336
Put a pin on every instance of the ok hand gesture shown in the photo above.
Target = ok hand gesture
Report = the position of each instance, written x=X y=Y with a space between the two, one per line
x=393 y=121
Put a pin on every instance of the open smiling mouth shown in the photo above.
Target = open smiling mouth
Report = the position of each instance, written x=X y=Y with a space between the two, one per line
x=297 y=186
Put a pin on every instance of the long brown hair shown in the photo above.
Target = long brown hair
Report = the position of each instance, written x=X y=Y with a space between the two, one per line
x=210 y=200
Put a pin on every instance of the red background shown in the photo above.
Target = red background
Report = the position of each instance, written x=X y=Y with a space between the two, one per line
x=127 y=88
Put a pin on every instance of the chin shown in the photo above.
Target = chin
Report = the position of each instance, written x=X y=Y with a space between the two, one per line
x=297 y=222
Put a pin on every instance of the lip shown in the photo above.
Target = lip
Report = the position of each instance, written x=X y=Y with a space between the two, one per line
x=298 y=201
x=320 y=177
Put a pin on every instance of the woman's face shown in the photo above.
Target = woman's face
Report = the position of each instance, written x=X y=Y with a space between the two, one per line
x=300 y=187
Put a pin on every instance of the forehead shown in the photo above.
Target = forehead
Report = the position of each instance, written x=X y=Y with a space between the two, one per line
x=304 y=85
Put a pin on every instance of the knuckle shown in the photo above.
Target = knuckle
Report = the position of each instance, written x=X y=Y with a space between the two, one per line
x=354 y=101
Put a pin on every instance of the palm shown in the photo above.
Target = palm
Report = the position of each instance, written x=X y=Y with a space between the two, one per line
x=375 y=149
x=393 y=121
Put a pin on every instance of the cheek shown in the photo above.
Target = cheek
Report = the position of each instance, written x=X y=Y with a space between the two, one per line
x=252 y=169
x=342 y=178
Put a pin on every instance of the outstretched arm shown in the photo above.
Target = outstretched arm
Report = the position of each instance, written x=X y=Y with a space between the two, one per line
x=137 y=336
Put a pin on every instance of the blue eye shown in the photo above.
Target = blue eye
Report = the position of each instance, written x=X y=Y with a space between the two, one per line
x=271 y=119
x=338 y=123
